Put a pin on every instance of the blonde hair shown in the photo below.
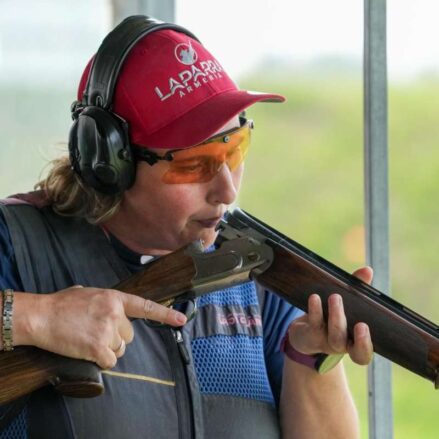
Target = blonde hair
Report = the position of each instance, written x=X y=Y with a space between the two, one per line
x=69 y=196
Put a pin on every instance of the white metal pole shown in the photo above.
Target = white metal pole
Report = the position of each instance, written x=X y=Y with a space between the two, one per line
x=376 y=199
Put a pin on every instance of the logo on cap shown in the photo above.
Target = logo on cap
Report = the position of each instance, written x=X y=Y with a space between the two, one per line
x=186 y=54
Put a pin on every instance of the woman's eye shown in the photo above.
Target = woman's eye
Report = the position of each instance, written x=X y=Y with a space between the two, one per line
x=193 y=168
x=189 y=166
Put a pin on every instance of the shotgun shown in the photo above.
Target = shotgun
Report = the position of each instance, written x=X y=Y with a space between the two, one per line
x=247 y=250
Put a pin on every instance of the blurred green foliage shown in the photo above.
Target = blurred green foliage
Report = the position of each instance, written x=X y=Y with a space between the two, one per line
x=304 y=176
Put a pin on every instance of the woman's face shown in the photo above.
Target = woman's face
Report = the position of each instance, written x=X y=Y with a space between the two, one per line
x=162 y=217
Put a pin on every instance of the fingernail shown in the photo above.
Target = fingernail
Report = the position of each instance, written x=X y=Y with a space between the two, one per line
x=362 y=330
x=336 y=299
x=181 y=318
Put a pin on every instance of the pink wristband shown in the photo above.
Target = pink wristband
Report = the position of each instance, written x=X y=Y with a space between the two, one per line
x=294 y=355
x=322 y=363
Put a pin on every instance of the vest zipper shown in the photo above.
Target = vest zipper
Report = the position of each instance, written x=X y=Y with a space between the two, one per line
x=179 y=358
x=181 y=346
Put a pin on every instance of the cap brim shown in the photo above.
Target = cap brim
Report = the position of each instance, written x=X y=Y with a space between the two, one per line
x=207 y=118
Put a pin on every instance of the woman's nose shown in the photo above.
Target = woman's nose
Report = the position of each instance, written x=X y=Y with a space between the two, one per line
x=223 y=188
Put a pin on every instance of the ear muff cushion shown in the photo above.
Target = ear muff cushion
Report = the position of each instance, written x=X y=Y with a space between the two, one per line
x=99 y=151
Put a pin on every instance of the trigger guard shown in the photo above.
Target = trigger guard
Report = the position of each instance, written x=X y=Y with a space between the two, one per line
x=191 y=308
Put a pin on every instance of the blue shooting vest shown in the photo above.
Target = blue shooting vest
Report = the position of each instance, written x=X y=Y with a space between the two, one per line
x=209 y=383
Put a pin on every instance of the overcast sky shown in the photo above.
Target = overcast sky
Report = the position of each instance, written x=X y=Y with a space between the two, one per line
x=304 y=30
x=53 y=39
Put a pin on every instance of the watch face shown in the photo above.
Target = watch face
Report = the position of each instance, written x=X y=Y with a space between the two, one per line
x=327 y=362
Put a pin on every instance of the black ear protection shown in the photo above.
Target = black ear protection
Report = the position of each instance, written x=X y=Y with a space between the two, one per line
x=99 y=146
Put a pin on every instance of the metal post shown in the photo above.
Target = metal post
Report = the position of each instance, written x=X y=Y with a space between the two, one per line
x=161 y=9
x=376 y=199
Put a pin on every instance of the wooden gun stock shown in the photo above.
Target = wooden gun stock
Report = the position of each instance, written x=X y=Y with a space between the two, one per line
x=26 y=368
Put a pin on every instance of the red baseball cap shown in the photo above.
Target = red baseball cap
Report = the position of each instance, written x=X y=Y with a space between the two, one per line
x=174 y=94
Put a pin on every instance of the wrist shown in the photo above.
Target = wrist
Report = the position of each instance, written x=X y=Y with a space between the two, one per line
x=320 y=362
x=27 y=309
x=294 y=355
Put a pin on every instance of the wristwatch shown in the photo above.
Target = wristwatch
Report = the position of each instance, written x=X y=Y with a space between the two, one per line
x=322 y=363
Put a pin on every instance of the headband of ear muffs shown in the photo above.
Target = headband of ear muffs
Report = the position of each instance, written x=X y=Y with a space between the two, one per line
x=99 y=145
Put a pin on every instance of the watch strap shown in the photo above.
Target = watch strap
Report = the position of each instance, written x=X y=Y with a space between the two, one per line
x=8 y=301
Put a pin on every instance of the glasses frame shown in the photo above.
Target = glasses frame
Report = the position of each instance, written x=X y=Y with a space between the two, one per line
x=150 y=157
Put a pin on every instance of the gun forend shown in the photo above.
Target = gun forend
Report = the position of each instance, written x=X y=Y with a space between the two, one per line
x=398 y=333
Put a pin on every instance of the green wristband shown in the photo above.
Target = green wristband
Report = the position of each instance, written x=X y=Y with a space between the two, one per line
x=325 y=362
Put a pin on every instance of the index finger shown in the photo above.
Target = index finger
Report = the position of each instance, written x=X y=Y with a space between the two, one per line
x=138 y=307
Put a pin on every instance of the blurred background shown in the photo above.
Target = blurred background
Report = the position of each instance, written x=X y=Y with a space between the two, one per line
x=304 y=175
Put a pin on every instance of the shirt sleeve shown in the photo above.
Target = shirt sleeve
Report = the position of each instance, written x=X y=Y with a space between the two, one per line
x=9 y=277
x=277 y=314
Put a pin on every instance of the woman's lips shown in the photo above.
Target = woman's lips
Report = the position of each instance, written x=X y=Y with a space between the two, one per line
x=209 y=222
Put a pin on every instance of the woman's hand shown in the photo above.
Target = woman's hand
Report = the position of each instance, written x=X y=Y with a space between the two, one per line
x=86 y=323
x=310 y=334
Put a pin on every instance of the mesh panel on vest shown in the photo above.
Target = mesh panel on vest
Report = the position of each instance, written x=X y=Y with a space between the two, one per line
x=232 y=365
x=17 y=429
x=244 y=295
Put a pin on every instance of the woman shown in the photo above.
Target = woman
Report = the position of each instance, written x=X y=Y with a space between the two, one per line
x=156 y=157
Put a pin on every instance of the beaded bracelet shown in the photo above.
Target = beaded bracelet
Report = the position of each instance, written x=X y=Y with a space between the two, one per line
x=8 y=302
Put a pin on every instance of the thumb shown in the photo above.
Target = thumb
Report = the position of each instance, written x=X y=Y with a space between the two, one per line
x=365 y=274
